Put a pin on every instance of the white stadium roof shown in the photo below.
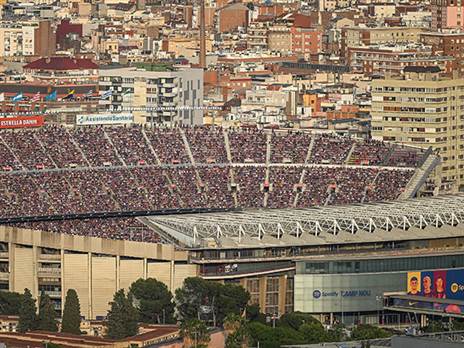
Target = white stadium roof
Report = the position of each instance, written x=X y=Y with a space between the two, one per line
x=412 y=219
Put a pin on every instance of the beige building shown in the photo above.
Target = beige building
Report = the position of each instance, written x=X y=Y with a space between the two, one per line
x=357 y=36
x=423 y=108
x=279 y=39
x=96 y=268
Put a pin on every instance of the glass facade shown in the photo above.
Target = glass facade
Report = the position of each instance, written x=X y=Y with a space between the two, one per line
x=381 y=265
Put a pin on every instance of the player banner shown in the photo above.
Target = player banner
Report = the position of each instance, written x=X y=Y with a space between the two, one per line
x=437 y=284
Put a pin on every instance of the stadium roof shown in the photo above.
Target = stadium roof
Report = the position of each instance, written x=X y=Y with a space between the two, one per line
x=413 y=219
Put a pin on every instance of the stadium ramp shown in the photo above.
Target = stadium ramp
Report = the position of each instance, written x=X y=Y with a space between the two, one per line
x=430 y=162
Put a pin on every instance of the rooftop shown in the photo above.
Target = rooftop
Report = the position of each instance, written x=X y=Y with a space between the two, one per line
x=413 y=219
x=61 y=63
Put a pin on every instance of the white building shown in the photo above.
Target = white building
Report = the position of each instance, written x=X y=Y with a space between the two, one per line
x=161 y=97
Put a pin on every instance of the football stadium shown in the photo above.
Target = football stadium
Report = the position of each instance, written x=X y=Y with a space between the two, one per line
x=301 y=220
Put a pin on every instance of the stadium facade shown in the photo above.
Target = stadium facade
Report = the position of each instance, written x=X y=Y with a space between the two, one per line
x=95 y=267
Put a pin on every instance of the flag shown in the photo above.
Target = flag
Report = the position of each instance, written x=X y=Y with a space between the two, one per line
x=18 y=97
x=106 y=94
x=70 y=95
x=2 y=97
x=51 y=96
x=126 y=92
x=36 y=97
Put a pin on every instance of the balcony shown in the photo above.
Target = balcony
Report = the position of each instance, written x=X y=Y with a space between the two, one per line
x=50 y=256
x=48 y=271
x=53 y=294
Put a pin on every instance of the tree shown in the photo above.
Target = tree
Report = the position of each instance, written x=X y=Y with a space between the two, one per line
x=71 y=322
x=27 y=313
x=194 y=293
x=154 y=300
x=122 y=316
x=273 y=337
x=46 y=320
x=237 y=331
x=253 y=313
x=232 y=299
x=313 y=332
x=368 y=332
x=296 y=319
x=198 y=295
x=195 y=333
x=10 y=302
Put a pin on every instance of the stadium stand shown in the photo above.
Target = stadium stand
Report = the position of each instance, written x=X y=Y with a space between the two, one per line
x=65 y=172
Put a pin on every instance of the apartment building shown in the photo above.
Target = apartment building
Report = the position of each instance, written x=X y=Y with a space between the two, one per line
x=160 y=95
x=446 y=44
x=26 y=39
x=447 y=14
x=423 y=108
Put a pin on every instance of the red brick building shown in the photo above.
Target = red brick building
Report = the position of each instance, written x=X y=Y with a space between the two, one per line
x=232 y=16
x=306 y=41
x=447 y=44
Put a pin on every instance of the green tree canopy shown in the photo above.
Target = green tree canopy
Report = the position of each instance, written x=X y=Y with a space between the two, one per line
x=195 y=333
x=10 y=302
x=122 y=316
x=232 y=300
x=313 y=332
x=273 y=337
x=194 y=293
x=46 y=319
x=27 y=313
x=237 y=331
x=197 y=293
x=154 y=301
x=368 y=332
x=71 y=322
x=253 y=313
x=296 y=319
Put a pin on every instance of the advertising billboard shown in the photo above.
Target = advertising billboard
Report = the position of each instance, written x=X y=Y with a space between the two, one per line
x=21 y=122
x=437 y=284
x=94 y=119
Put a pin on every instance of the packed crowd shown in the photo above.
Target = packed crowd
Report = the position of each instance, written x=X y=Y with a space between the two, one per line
x=388 y=185
x=249 y=181
x=169 y=146
x=146 y=189
x=248 y=145
x=129 y=177
x=370 y=152
x=405 y=157
x=27 y=149
x=54 y=147
x=330 y=150
x=284 y=186
x=216 y=186
x=207 y=145
x=110 y=228
x=291 y=146
x=131 y=145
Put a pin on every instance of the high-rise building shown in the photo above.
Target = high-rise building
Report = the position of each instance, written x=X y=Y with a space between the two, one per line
x=426 y=109
x=447 y=14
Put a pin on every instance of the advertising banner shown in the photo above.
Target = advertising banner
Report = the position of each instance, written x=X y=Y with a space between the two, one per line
x=93 y=119
x=21 y=122
x=437 y=284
